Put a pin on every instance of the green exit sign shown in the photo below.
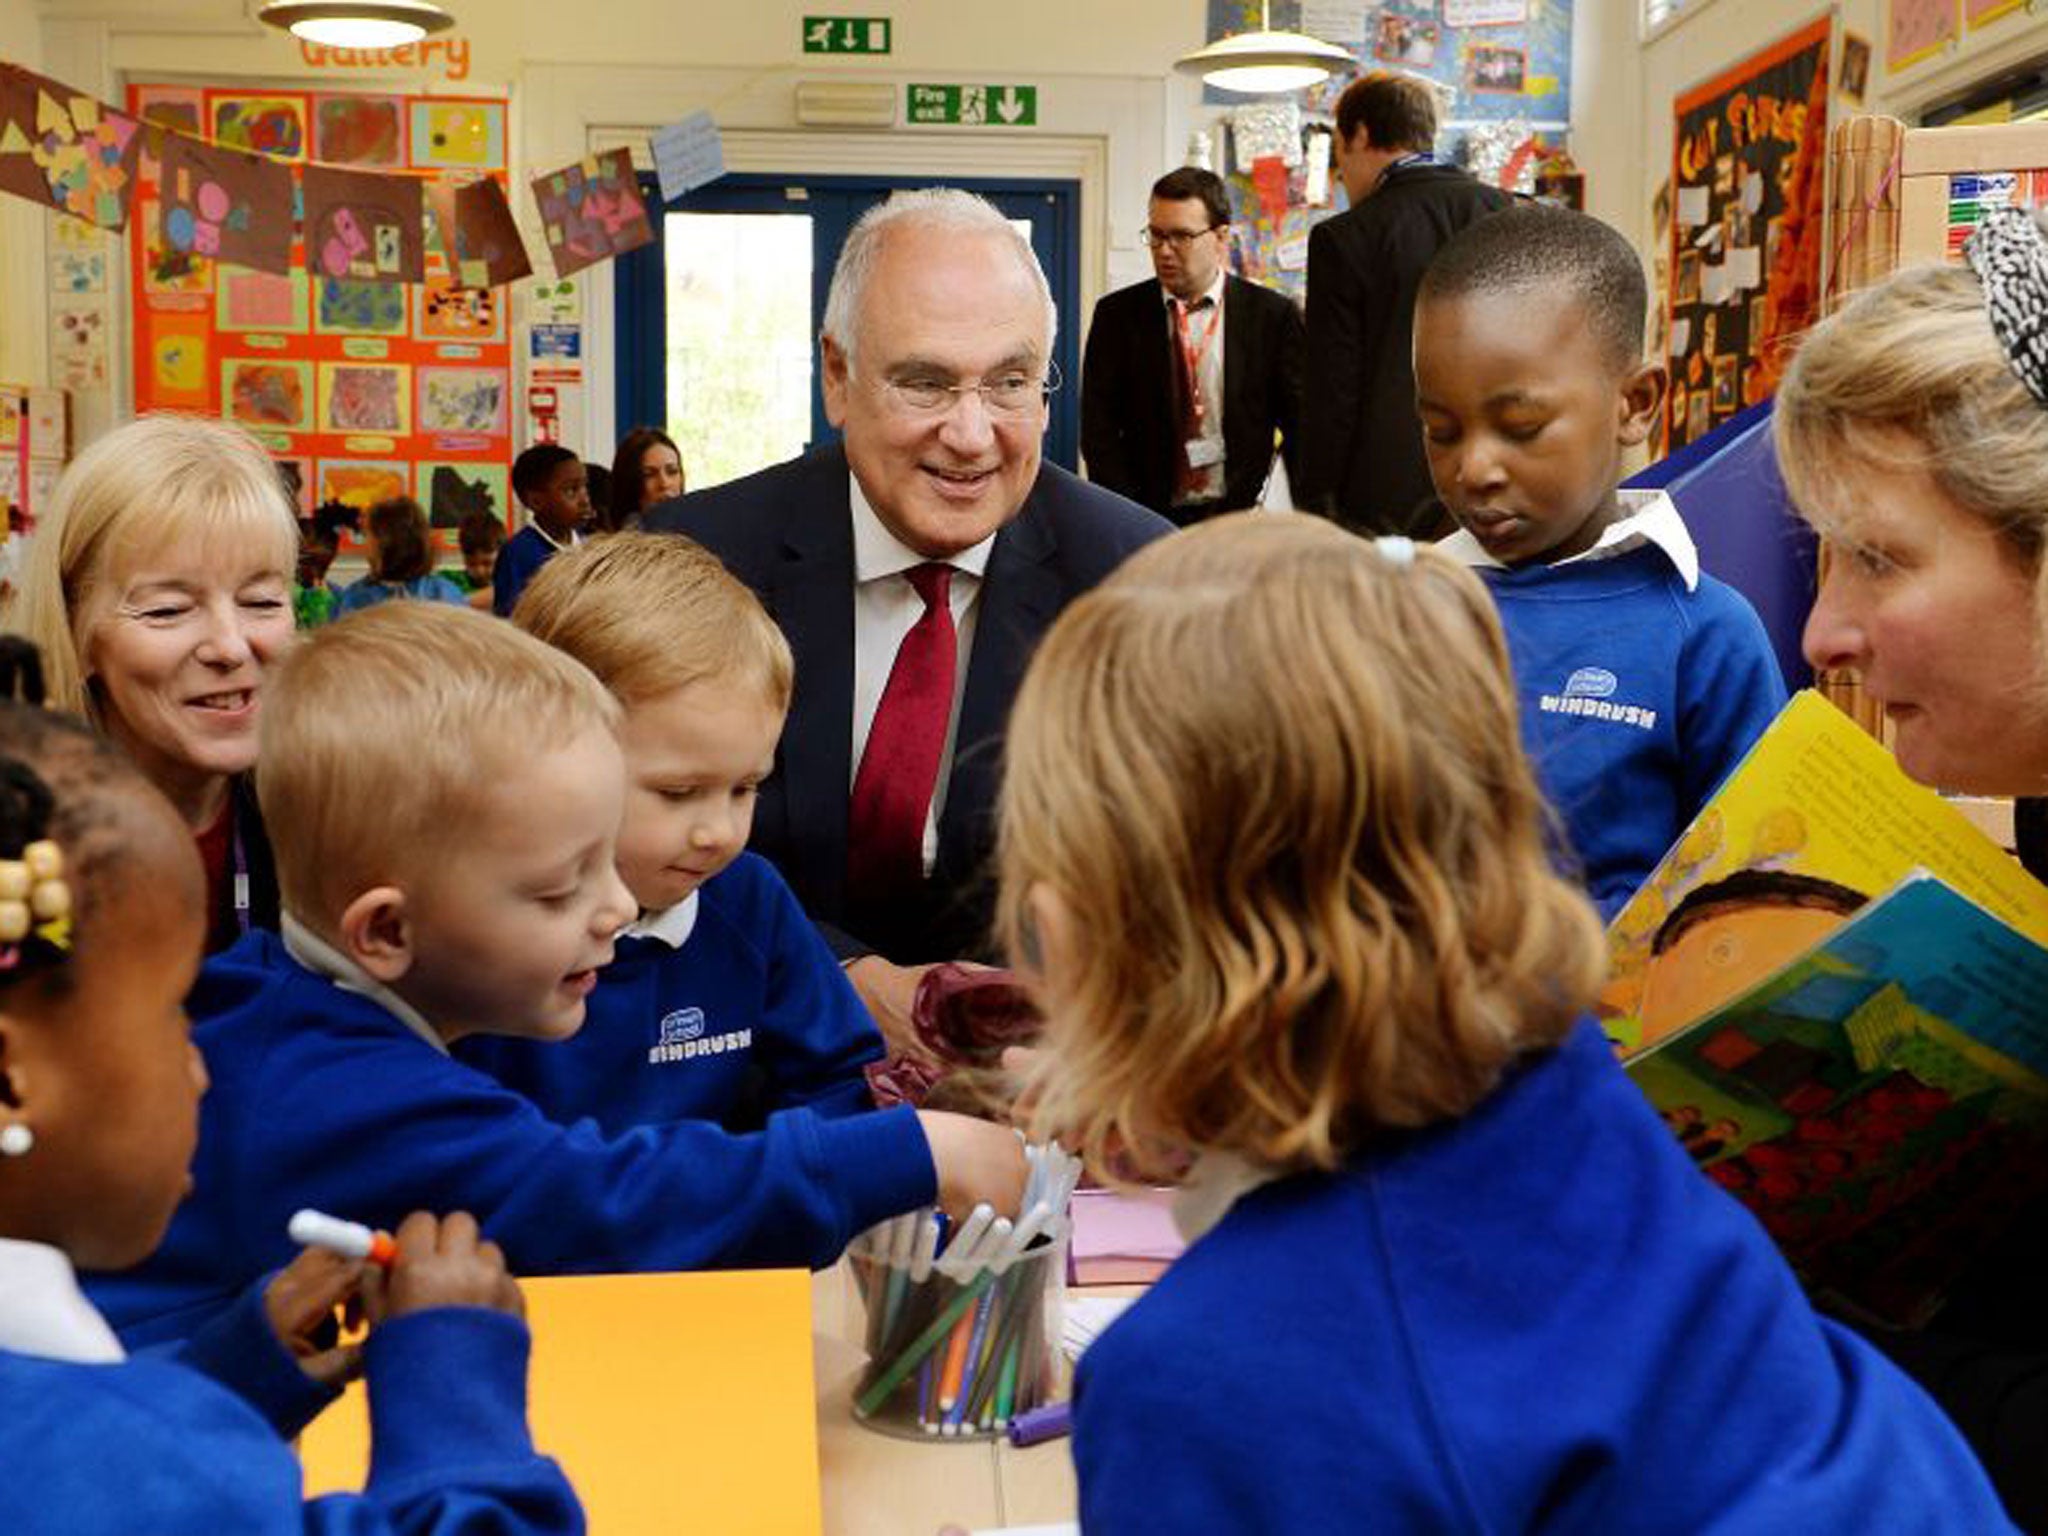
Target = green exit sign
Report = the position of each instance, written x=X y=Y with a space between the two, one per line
x=1002 y=106
x=846 y=34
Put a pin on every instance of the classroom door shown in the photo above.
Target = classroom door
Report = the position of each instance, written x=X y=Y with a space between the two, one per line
x=717 y=320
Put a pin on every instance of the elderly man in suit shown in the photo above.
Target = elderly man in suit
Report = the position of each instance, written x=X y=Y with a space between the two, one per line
x=913 y=567
x=1189 y=378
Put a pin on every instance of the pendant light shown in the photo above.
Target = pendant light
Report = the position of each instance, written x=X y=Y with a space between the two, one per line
x=1266 y=62
x=357 y=23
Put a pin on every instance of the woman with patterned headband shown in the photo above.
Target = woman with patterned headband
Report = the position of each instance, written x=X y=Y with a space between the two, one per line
x=1913 y=432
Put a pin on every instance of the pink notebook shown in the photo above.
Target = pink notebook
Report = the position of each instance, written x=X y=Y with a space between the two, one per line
x=1122 y=1238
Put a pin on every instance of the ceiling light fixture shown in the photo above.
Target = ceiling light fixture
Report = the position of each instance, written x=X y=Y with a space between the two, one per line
x=1265 y=61
x=357 y=23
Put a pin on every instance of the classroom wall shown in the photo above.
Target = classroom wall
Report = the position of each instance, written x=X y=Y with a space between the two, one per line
x=23 y=358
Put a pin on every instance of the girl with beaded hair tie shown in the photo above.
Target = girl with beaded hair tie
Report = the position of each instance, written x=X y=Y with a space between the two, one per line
x=1912 y=427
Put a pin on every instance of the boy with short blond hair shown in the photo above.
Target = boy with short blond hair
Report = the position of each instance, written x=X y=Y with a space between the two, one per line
x=445 y=793
x=723 y=1003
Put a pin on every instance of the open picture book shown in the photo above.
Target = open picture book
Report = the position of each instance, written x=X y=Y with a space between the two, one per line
x=1834 y=989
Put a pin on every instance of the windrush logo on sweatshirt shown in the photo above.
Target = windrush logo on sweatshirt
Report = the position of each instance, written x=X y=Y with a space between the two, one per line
x=682 y=1038
x=1589 y=692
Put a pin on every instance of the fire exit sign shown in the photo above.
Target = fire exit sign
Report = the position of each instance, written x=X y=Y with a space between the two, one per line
x=1002 y=106
x=846 y=34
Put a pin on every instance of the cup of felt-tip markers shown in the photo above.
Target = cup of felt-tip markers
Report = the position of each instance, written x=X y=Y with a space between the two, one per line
x=962 y=1322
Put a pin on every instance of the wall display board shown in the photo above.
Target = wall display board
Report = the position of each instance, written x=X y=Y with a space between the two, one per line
x=358 y=361
x=1748 y=176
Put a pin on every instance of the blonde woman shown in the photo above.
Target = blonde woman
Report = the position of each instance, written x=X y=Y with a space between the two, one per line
x=1913 y=431
x=158 y=588
x=1277 y=866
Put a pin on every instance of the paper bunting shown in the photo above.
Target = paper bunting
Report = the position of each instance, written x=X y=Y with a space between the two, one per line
x=363 y=225
x=224 y=205
x=64 y=150
x=592 y=210
x=478 y=233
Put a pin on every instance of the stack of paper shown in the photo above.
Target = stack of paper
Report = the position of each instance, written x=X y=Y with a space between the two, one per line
x=1122 y=1238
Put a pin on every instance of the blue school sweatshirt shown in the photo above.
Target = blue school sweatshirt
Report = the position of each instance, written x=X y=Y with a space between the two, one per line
x=146 y=1445
x=524 y=553
x=1637 y=696
x=749 y=1014
x=1537 y=1318
x=321 y=1097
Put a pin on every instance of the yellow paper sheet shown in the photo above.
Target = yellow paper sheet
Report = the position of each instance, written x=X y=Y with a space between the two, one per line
x=674 y=1402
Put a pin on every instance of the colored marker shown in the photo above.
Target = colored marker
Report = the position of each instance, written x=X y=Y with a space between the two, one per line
x=1047 y=1423
x=879 y=1389
x=350 y=1239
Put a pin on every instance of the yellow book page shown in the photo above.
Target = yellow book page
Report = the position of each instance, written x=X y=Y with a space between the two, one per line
x=673 y=1402
x=1817 y=798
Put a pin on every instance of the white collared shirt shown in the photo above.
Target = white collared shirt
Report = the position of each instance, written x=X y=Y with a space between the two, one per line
x=1216 y=1183
x=1208 y=379
x=886 y=608
x=554 y=543
x=44 y=1313
x=1648 y=517
x=321 y=957
x=671 y=925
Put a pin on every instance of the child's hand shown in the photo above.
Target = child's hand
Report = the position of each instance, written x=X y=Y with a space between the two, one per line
x=442 y=1262
x=978 y=1162
x=300 y=1302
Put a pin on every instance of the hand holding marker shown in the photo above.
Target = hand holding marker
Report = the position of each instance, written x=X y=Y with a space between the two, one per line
x=352 y=1240
x=960 y=1353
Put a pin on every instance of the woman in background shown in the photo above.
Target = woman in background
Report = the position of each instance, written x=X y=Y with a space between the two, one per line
x=646 y=471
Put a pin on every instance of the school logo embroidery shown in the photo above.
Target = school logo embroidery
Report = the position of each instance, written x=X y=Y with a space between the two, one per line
x=1589 y=693
x=681 y=1037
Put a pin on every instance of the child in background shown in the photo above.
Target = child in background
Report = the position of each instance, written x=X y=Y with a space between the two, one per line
x=597 y=490
x=312 y=598
x=1447 y=1270
x=480 y=536
x=445 y=794
x=722 y=1003
x=550 y=483
x=1642 y=680
x=97 y=1121
x=401 y=553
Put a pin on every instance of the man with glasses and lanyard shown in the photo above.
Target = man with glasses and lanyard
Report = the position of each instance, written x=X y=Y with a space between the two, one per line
x=1188 y=379
x=913 y=567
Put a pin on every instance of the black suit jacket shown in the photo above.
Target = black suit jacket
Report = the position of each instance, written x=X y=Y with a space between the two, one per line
x=1362 y=460
x=787 y=532
x=1129 y=436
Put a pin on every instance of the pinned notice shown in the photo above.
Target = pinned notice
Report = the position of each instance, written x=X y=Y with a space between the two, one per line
x=687 y=155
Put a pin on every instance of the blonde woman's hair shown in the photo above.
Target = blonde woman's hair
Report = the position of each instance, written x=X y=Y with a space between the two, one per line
x=1273 y=774
x=653 y=612
x=156 y=480
x=387 y=738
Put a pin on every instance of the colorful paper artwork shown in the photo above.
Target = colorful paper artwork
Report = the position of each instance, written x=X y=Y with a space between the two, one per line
x=463 y=400
x=65 y=150
x=449 y=313
x=458 y=135
x=365 y=397
x=180 y=108
x=363 y=225
x=262 y=125
x=178 y=360
x=267 y=394
x=478 y=233
x=362 y=483
x=592 y=210
x=78 y=341
x=350 y=306
x=359 y=130
x=260 y=301
x=450 y=492
x=166 y=273
x=78 y=271
x=225 y=205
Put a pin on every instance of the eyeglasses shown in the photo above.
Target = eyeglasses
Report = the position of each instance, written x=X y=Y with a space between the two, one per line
x=1179 y=239
x=1013 y=392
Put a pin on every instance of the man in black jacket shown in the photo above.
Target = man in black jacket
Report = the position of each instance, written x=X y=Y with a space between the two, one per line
x=1189 y=378
x=1361 y=458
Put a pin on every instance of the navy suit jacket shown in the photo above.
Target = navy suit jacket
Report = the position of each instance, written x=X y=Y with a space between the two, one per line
x=787 y=532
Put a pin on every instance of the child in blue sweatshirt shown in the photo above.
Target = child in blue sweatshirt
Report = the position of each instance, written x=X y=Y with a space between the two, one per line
x=99 y=1095
x=445 y=794
x=1642 y=681
x=551 y=485
x=722 y=1002
x=1447 y=1270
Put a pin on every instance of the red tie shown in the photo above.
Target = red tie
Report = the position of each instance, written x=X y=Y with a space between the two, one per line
x=892 y=792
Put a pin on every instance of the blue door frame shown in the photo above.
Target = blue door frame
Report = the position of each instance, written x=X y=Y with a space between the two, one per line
x=639 y=305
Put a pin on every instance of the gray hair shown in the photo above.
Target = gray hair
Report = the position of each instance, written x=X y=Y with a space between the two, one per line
x=945 y=208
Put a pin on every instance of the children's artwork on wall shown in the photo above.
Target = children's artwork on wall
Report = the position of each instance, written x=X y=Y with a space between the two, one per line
x=65 y=150
x=1404 y=39
x=1498 y=70
x=260 y=301
x=178 y=347
x=446 y=312
x=180 y=108
x=225 y=205
x=78 y=341
x=78 y=271
x=262 y=125
x=347 y=306
x=267 y=395
x=361 y=483
x=359 y=130
x=450 y=492
x=1918 y=29
x=592 y=210
x=478 y=233
x=362 y=224
x=365 y=397
x=463 y=400
x=167 y=276
x=458 y=135
x=1485 y=13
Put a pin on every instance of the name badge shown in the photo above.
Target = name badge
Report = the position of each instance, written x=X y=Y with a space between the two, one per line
x=1202 y=452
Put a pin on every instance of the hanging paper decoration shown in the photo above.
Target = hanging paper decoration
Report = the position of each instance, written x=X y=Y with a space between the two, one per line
x=224 y=205
x=61 y=148
x=1264 y=129
x=592 y=210
x=478 y=233
x=363 y=225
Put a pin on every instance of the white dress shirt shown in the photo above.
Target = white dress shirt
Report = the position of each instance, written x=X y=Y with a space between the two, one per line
x=1208 y=380
x=44 y=1313
x=1647 y=517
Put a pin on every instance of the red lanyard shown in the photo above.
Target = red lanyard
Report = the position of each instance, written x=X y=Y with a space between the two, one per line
x=1192 y=356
